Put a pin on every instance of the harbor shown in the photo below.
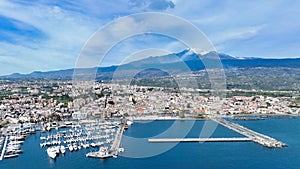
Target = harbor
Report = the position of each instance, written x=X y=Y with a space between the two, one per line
x=223 y=152
x=12 y=139
x=56 y=140
x=101 y=137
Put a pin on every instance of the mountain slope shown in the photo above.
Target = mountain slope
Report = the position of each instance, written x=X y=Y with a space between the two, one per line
x=187 y=60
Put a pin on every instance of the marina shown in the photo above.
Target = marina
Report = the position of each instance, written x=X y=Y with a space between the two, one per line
x=95 y=135
x=13 y=138
x=226 y=153
x=101 y=137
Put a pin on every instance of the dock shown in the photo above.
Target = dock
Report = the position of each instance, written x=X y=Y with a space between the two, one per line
x=166 y=140
x=256 y=137
x=117 y=142
x=4 y=148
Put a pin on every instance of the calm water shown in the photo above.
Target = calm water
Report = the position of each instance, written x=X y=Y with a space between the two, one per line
x=240 y=155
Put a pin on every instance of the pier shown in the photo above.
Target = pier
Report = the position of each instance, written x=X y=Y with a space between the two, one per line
x=116 y=144
x=4 y=148
x=249 y=134
x=256 y=137
x=166 y=140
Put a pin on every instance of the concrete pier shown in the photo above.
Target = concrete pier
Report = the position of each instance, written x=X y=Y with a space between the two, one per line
x=256 y=137
x=116 y=144
x=166 y=140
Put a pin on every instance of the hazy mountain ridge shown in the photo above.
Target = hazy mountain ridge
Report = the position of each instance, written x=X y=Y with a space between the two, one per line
x=187 y=60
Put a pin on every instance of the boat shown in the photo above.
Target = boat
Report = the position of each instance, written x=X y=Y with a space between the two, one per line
x=93 y=145
x=86 y=146
x=75 y=147
x=70 y=147
x=129 y=122
x=62 y=149
x=103 y=152
x=121 y=150
x=51 y=151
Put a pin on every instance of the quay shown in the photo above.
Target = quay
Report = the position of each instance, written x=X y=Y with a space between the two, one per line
x=4 y=148
x=166 y=140
x=256 y=137
x=117 y=142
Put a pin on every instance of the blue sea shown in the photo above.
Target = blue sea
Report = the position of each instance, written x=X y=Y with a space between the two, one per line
x=229 y=155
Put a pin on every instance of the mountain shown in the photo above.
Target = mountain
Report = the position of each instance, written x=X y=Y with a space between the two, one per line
x=184 y=61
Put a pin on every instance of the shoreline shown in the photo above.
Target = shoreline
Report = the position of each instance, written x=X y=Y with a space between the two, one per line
x=231 y=117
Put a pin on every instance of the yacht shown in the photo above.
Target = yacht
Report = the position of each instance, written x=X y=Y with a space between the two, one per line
x=51 y=151
x=75 y=147
x=70 y=147
x=103 y=152
x=62 y=149
x=129 y=122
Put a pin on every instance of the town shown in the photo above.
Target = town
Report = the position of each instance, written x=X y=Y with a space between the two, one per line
x=28 y=106
x=44 y=101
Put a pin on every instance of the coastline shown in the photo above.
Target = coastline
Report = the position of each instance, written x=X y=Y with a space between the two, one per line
x=150 y=118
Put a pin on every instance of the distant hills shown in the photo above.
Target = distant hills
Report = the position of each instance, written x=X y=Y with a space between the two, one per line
x=185 y=61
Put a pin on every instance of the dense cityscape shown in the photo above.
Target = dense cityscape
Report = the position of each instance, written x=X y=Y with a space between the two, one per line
x=41 y=101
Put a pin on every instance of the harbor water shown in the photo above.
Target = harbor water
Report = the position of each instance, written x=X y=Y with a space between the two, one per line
x=217 y=155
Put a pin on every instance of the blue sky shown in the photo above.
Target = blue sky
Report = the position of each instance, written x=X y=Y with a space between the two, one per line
x=47 y=35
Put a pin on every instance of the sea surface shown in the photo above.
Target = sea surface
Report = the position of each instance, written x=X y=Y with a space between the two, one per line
x=229 y=155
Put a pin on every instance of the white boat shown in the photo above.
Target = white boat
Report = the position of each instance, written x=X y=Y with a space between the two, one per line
x=129 y=122
x=93 y=145
x=62 y=149
x=75 y=147
x=51 y=152
x=121 y=150
x=103 y=152
x=86 y=146
x=70 y=147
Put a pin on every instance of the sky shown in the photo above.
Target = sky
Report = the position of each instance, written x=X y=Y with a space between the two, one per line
x=43 y=35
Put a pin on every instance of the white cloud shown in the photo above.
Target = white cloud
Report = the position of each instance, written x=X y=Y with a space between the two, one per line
x=65 y=31
x=67 y=25
x=237 y=34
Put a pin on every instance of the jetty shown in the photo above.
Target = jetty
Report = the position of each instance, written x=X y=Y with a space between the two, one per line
x=166 y=140
x=117 y=142
x=256 y=137
x=249 y=134
x=4 y=148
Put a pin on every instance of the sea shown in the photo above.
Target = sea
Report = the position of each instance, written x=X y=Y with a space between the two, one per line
x=188 y=155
